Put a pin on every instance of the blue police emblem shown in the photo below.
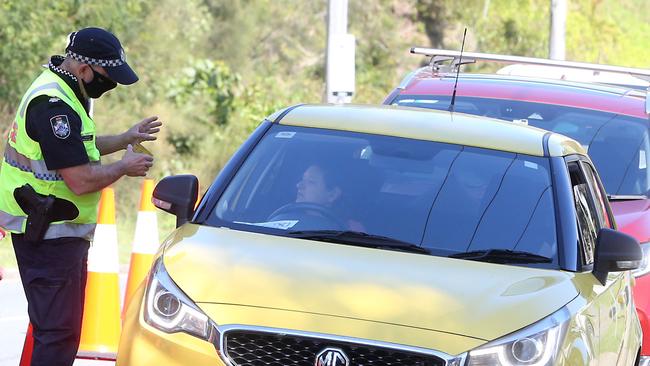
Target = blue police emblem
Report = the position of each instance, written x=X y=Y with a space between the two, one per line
x=60 y=126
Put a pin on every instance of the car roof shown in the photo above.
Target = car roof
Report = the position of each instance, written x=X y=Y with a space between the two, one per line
x=431 y=125
x=607 y=98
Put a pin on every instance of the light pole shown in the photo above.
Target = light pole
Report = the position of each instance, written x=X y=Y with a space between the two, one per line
x=340 y=69
x=557 y=43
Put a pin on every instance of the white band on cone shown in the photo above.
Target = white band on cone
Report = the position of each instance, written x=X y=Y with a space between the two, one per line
x=102 y=255
x=145 y=240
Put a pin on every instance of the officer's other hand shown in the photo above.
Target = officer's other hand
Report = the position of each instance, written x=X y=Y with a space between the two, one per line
x=143 y=130
x=135 y=164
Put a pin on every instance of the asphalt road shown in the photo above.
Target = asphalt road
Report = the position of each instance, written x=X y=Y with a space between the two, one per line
x=14 y=321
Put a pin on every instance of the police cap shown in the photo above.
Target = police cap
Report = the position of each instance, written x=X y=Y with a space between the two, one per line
x=96 y=46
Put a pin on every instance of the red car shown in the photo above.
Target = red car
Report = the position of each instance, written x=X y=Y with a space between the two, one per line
x=610 y=120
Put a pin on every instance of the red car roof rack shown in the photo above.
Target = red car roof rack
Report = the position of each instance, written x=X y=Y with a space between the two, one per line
x=439 y=56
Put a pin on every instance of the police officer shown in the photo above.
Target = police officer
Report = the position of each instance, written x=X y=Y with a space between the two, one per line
x=52 y=146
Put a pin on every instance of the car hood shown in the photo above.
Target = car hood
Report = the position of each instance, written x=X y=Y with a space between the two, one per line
x=469 y=298
x=633 y=218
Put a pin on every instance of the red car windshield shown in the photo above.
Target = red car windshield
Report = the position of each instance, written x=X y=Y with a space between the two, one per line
x=618 y=145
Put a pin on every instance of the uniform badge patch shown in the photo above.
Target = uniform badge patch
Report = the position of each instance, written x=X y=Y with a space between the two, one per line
x=60 y=126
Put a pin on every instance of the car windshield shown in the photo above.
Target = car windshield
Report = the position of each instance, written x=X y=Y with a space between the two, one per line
x=445 y=198
x=618 y=145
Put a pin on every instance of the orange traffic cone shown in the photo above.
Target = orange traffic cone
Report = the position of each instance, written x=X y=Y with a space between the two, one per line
x=28 y=347
x=100 y=330
x=145 y=242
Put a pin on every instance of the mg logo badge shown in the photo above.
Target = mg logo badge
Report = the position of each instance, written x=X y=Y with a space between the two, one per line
x=332 y=357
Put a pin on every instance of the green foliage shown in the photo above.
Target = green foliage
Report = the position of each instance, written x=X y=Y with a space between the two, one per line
x=184 y=144
x=254 y=104
x=25 y=41
x=207 y=83
x=510 y=27
x=609 y=32
x=384 y=31
x=433 y=15
x=30 y=31
x=265 y=37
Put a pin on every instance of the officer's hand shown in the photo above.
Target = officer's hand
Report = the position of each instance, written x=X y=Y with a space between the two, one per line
x=136 y=165
x=143 y=130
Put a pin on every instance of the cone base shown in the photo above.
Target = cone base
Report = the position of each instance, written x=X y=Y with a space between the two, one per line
x=100 y=331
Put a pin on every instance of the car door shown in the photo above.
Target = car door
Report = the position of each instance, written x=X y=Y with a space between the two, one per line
x=615 y=317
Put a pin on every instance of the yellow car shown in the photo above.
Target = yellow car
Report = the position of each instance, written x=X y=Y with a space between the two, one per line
x=362 y=235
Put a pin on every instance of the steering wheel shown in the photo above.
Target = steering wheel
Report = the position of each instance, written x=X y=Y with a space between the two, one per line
x=305 y=207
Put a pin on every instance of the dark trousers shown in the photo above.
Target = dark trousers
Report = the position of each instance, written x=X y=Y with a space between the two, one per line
x=53 y=273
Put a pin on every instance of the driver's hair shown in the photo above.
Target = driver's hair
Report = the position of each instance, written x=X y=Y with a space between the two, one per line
x=332 y=177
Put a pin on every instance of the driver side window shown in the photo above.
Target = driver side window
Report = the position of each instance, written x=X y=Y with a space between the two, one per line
x=600 y=199
x=588 y=216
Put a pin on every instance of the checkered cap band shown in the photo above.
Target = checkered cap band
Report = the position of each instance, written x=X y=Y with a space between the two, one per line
x=94 y=61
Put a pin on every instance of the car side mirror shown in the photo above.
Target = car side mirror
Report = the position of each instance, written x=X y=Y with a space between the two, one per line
x=177 y=195
x=615 y=252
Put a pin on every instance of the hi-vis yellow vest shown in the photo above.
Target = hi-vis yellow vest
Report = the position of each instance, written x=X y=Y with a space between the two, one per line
x=23 y=163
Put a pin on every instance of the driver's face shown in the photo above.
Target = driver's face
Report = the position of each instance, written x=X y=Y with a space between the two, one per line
x=312 y=188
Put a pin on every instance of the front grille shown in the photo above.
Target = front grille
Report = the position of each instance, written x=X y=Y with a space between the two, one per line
x=249 y=348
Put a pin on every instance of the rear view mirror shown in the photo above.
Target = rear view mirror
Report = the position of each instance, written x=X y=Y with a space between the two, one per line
x=615 y=252
x=177 y=195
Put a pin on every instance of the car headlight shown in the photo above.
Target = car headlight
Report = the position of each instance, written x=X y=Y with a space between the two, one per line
x=168 y=309
x=536 y=345
x=644 y=268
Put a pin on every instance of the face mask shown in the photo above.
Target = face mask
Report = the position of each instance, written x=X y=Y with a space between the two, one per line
x=99 y=85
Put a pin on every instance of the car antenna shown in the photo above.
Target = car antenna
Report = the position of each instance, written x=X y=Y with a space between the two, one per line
x=460 y=62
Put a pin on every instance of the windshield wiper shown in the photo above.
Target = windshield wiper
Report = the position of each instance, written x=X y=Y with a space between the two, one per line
x=502 y=256
x=358 y=238
x=626 y=197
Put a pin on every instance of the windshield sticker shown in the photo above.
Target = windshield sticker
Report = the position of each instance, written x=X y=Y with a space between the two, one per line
x=284 y=135
x=643 y=163
x=522 y=121
x=531 y=165
x=282 y=224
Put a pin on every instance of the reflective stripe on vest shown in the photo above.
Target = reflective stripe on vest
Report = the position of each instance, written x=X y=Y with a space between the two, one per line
x=36 y=167
x=56 y=230
x=12 y=223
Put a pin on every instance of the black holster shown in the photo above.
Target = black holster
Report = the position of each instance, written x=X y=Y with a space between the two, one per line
x=42 y=210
